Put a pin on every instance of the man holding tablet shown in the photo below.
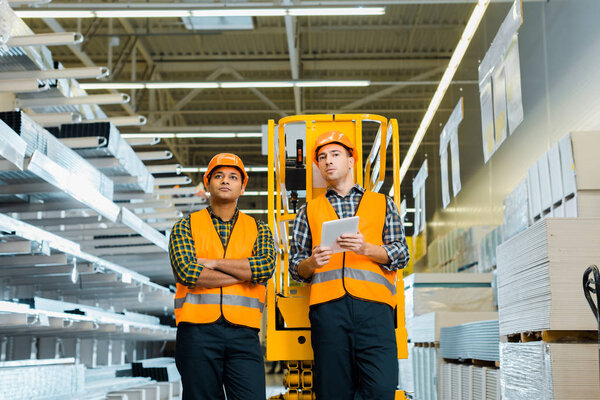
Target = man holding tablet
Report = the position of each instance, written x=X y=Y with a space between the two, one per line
x=352 y=291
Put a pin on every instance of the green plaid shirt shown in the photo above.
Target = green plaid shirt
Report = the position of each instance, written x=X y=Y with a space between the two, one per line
x=183 y=255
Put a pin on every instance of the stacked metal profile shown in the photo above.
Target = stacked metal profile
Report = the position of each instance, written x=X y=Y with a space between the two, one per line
x=116 y=147
x=62 y=308
x=36 y=379
x=475 y=340
x=458 y=382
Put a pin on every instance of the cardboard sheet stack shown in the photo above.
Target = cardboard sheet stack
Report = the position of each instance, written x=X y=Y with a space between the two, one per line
x=405 y=372
x=468 y=249
x=441 y=252
x=487 y=249
x=539 y=276
x=459 y=382
x=426 y=328
x=474 y=340
x=564 y=182
x=426 y=361
x=559 y=371
x=433 y=301
x=425 y=293
x=540 y=289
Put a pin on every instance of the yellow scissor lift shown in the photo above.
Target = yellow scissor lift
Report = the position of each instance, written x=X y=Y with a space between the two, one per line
x=288 y=326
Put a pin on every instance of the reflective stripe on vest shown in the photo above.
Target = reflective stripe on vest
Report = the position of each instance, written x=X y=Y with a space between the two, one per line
x=240 y=304
x=358 y=274
x=228 y=299
x=349 y=272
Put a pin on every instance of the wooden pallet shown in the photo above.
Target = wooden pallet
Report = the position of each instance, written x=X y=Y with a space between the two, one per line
x=472 y=361
x=552 y=337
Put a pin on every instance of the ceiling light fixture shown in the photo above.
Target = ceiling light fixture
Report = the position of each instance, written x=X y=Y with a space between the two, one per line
x=222 y=85
x=129 y=10
x=455 y=60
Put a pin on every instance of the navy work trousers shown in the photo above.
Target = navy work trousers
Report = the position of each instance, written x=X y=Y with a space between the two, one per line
x=212 y=356
x=356 y=356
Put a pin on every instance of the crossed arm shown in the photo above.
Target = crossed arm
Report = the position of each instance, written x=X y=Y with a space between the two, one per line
x=211 y=273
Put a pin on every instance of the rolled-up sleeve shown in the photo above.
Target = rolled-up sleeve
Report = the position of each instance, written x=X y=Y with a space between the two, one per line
x=186 y=269
x=262 y=263
x=394 y=240
x=301 y=244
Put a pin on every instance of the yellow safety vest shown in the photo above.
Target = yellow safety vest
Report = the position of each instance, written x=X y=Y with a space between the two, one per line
x=348 y=272
x=239 y=304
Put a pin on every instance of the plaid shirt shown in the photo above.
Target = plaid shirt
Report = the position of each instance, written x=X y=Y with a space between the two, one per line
x=394 y=241
x=183 y=254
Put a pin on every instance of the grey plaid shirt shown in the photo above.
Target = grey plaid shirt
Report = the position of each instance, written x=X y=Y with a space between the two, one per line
x=394 y=241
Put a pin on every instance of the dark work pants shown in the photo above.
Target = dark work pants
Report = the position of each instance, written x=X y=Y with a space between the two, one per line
x=354 y=343
x=210 y=356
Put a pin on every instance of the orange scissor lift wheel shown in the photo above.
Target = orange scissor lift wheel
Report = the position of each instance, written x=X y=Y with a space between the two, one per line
x=288 y=326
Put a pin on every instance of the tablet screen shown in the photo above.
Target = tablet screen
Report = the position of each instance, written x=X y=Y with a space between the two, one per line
x=334 y=229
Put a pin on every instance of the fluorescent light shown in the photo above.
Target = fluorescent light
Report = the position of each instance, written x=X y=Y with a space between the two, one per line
x=126 y=11
x=218 y=135
x=332 y=83
x=267 y=12
x=142 y=13
x=266 y=84
x=455 y=60
x=317 y=11
x=253 y=211
x=182 y=85
x=55 y=13
x=223 y=85
x=255 y=193
x=204 y=135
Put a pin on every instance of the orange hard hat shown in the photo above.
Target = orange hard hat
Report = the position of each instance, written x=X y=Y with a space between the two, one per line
x=226 y=160
x=333 y=137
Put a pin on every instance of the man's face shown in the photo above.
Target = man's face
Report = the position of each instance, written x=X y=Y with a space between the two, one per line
x=334 y=162
x=226 y=183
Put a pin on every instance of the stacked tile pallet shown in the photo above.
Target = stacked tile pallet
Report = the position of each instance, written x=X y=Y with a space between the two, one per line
x=549 y=333
x=471 y=356
x=75 y=200
x=428 y=309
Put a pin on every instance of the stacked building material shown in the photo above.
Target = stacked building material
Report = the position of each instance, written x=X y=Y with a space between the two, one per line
x=41 y=379
x=426 y=328
x=459 y=382
x=425 y=293
x=539 y=276
x=539 y=370
x=474 y=340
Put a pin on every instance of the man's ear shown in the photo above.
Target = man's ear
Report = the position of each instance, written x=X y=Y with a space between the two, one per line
x=243 y=189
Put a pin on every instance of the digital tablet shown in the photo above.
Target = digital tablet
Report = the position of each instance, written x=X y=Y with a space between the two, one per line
x=332 y=230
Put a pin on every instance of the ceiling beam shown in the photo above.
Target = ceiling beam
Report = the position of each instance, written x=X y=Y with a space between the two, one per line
x=189 y=97
x=259 y=94
x=306 y=65
x=390 y=89
x=294 y=54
